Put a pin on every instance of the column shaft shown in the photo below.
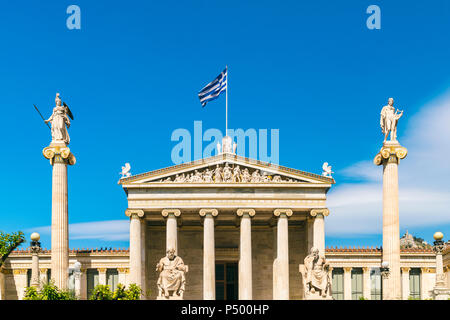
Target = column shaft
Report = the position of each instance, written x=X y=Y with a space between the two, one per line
x=60 y=226
x=245 y=259
x=135 y=250
x=347 y=283
x=391 y=228
x=281 y=263
x=34 y=270
x=102 y=276
x=405 y=283
x=209 y=259
x=171 y=233
x=366 y=283
x=319 y=233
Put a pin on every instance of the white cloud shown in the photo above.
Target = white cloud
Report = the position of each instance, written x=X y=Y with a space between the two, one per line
x=424 y=192
x=109 y=230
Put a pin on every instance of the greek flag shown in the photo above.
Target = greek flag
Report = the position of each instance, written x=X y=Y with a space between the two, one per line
x=214 y=88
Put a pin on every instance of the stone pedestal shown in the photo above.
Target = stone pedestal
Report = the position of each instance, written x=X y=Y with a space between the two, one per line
x=389 y=156
x=35 y=267
x=60 y=156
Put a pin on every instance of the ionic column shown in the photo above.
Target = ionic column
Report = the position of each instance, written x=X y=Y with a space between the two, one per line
x=123 y=275
x=171 y=228
x=102 y=276
x=389 y=156
x=20 y=279
x=366 y=283
x=348 y=283
x=319 y=228
x=59 y=156
x=405 y=282
x=245 y=254
x=281 y=263
x=135 y=246
x=2 y=285
x=209 y=256
x=43 y=277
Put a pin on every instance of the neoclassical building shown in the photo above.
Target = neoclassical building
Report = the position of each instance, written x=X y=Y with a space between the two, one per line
x=243 y=228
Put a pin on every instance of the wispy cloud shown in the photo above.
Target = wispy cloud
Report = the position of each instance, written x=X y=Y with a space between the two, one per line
x=109 y=230
x=424 y=193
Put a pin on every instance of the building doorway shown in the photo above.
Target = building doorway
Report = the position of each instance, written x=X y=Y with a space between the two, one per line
x=227 y=281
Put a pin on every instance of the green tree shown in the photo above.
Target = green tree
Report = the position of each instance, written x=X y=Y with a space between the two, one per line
x=9 y=242
x=103 y=292
x=49 y=291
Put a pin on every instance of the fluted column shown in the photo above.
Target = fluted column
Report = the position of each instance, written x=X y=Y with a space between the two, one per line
x=281 y=263
x=366 y=283
x=405 y=282
x=20 y=280
x=102 y=276
x=348 y=283
x=245 y=254
x=171 y=228
x=35 y=266
x=209 y=255
x=60 y=156
x=389 y=156
x=43 y=277
x=318 y=228
x=135 y=245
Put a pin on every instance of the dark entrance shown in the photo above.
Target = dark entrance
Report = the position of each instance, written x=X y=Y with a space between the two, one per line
x=227 y=281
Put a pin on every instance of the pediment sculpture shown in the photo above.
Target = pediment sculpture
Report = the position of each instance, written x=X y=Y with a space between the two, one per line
x=226 y=173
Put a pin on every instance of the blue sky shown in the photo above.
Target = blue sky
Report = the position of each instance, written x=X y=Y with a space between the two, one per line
x=311 y=69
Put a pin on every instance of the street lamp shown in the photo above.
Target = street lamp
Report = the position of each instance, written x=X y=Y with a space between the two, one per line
x=439 y=292
x=35 y=247
x=384 y=270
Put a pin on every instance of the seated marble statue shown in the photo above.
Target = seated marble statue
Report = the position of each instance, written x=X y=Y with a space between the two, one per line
x=317 y=277
x=172 y=276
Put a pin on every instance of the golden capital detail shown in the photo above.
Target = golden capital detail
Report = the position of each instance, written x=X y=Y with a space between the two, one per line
x=278 y=212
x=386 y=152
x=315 y=212
x=204 y=212
x=51 y=152
x=176 y=212
x=134 y=212
x=250 y=212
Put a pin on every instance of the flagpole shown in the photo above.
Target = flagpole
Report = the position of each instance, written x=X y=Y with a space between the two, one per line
x=226 y=106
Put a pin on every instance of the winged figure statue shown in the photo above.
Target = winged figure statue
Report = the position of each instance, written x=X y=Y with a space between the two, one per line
x=326 y=170
x=126 y=171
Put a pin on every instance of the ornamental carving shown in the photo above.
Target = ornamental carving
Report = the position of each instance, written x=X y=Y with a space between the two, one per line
x=226 y=173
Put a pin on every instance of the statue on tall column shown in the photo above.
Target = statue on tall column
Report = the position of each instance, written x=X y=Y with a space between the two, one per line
x=60 y=121
x=172 y=278
x=389 y=119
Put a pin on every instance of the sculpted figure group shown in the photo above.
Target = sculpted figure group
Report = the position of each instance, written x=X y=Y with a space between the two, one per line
x=227 y=174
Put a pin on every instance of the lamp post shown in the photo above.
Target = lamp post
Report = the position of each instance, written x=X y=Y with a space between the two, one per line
x=385 y=272
x=35 y=248
x=439 y=292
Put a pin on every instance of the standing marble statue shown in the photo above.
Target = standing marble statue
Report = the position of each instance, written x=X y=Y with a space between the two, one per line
x=172 y=278
x=60 y=122
x=316 y=278
x=389 y=119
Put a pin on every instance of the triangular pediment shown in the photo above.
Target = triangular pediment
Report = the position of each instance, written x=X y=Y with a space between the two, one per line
x=226 y=169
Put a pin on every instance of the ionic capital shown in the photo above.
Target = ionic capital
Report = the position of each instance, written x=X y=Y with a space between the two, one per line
x=60 y=153
x=317 y=212
x=134 y=213
x=123 y=270
x=204 y=212
x=250 y=212
x=101 y=270
x=279 y=212
x=166 y=212
x=405 y=269
x=365 y=269
x=43 y=270
x=20 y=271
x=389 y=154
x=347 y=269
